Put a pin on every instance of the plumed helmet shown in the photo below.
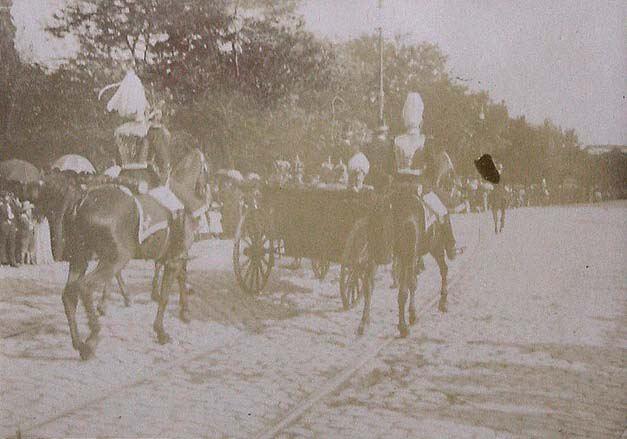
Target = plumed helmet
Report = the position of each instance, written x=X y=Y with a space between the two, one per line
x=412 y=110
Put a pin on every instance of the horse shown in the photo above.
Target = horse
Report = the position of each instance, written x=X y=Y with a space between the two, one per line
x=413 y=239
x=498 y=203
x=142 y=178
x=368 y=246
x=56 y=195
x=105 y=223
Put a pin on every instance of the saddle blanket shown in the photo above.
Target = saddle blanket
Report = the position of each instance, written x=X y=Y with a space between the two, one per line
x=433 y=202
x=152 y=217
x=166 y=198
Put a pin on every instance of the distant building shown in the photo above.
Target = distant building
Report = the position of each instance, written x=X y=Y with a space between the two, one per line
x=602 y=149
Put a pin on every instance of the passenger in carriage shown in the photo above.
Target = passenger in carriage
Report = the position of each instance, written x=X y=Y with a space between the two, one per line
x=414 y=162
x=355 y=137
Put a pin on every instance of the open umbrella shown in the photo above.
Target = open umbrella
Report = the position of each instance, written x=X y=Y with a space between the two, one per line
x=19 y=170
x=74 y=162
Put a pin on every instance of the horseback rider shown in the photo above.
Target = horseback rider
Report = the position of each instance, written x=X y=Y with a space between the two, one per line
x=414 y=158
x=144 y=139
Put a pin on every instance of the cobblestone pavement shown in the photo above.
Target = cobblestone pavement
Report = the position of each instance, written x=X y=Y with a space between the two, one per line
x=533 y=343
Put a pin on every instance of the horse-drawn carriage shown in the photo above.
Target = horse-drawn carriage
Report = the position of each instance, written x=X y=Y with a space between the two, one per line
x=324 y=225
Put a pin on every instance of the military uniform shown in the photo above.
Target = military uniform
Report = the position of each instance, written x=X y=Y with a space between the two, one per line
x=414 y=166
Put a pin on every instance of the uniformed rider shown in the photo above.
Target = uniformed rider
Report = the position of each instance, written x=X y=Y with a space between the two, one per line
x=414 y=164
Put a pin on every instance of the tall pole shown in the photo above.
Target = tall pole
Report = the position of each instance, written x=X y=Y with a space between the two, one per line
x=382 y=127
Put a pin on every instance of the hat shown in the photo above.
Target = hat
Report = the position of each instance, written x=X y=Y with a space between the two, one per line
x=486 y=167
x=412 y=110
x=235 y=175
x=359 y=163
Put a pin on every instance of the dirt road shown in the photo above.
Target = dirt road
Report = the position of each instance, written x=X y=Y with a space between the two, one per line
x=533 y=345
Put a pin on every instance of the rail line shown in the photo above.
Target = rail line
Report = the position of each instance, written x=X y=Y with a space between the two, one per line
x=331 y=385
x=294 y=414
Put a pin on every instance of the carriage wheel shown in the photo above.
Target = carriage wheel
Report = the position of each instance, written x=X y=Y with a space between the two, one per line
x=352 y=281
x=320 y=268
x=253 y=255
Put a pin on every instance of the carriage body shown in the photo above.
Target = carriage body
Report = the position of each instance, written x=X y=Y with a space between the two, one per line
x=301 y=222
x=314 y=222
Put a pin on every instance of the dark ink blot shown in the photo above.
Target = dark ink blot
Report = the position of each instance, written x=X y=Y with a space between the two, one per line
x=486 y=167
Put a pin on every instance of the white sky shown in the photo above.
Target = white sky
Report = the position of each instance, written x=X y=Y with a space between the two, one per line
x=561 y=59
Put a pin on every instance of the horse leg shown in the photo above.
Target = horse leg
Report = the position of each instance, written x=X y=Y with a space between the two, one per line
x=169 y=270
x=123 y=290
x=495 y=217
x=70 y=298
x=502 y=218
x=441 y=261
x=155 y=282
x=102 y=303
x=412 y=294
x=368 y=286
x=102 y=274
x=394 y=273
x=181 y=278
x=402 y=298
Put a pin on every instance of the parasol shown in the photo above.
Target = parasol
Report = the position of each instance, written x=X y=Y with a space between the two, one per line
x=74 y=162
x=19 y=170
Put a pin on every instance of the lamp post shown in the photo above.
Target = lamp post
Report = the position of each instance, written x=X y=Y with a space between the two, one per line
x=383 y=129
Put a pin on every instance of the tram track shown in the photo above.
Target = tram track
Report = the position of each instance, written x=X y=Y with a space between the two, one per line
x=361 y=360
x=294 y=414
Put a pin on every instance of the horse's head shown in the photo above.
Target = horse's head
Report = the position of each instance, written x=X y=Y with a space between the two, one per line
x=192 y=173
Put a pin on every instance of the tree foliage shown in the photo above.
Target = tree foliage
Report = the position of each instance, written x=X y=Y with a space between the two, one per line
x=248 y=82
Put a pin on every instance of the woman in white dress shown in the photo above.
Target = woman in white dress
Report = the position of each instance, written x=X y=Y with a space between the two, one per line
x=43 y=247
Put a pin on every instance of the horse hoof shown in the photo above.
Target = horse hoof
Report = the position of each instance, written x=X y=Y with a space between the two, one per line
x=403 y=330
x=361 y=330
x=85 y=351
x=184 y=316
x=412 y=319
x=163 y=338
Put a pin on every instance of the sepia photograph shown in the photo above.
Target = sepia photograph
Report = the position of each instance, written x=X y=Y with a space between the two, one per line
x=313 y=219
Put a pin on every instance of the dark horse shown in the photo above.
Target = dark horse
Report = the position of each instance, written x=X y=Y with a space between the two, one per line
x=135 y=177
x=59 y=192
x=412 y=240
x=105 y=224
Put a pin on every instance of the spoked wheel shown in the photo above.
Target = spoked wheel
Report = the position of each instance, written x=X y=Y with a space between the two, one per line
x=352 y=281
x=320 y=268
x=253 y=255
